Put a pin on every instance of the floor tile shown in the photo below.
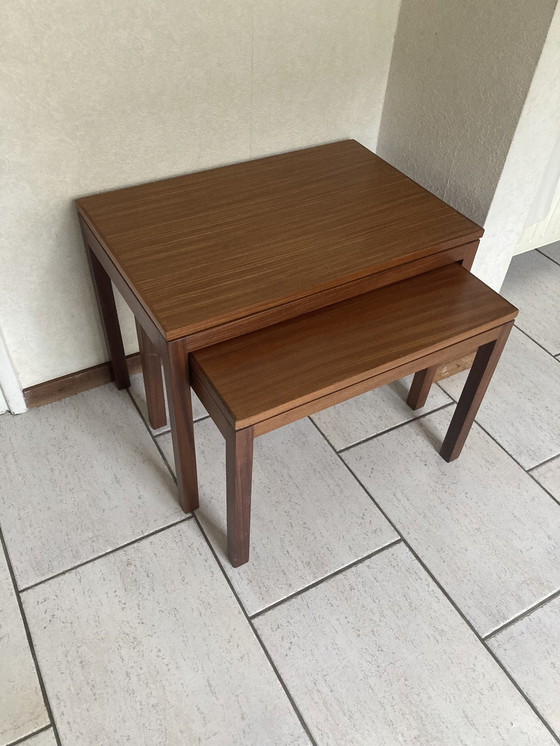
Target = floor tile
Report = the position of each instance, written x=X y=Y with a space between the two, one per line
x=530 y=650
x=147 y=645
x=310 y=517
x=45 y=738
x=22 y=709
x=533 y=285
x=521 y=408
x=552 y=251
x=378 y=655
x=138 y=393
x=83 y=476
x=484 y=528
x=366 y=415
x=549 y=476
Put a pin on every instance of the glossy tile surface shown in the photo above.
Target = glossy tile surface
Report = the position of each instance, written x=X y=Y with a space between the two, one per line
x=82 y=477
x=549 y=476
x=530 y=650
x=309 y=515
x=366 y=415
x=521 y=409
x=22 y=709
x=148 y=645
x=532 y=284
x=138 y=393
x=378 y=655
x=485 y=529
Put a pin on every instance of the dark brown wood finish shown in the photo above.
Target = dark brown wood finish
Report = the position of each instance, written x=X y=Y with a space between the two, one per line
x=153 y=379
x=205 y=249
x=420 y=387
x=108 y=312
x=316 y=301
x=330 y=355
x=75 y=383
x=176 y=368
x=360 y=387
x=145 y=320
x=479 y=378
x=204 y=257
x=239 y=473
x=352 y=340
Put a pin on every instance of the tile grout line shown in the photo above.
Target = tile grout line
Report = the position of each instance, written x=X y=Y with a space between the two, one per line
x=504 y=449
x=324 y=579
x=234 y=593
x=399 y=540
x=167 y=431
x=552 y=354
x=105 y=554
x=542 y=463
x=23 y=739
x=393 y=427
x=526 y=613
x=30 y=644
x=259 y=640
x=450 y=600
x=546 y=255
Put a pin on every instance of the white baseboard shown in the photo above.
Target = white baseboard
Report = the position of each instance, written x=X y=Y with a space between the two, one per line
x=11 y=395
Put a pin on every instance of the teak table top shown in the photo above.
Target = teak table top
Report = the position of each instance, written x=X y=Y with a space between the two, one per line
x=296 y=361
x=207 y=248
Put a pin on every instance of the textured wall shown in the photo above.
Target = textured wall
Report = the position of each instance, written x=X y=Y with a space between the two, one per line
x=459 y=76
x=98 y=94
x=533 y=146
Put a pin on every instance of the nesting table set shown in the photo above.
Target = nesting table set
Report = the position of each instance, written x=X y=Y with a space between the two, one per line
x=280 y=286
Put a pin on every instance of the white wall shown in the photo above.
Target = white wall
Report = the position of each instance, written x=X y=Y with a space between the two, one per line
x=542 y=232
x=98 y=94
x=11 y=396
x=532 y=151
x=459 y=76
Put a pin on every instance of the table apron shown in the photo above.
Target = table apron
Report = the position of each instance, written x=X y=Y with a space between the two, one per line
x=464 y=254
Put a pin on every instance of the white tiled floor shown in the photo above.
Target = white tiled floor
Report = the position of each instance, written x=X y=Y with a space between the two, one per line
x=391 y=598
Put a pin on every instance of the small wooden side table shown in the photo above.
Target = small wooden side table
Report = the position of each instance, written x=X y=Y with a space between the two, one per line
x=209 y=256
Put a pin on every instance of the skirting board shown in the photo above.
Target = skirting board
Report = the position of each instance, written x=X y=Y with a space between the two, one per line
x=75 y=383
x=90 y=378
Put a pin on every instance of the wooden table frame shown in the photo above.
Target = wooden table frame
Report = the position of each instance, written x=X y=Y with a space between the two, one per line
x=158 y=347
x=156 y=351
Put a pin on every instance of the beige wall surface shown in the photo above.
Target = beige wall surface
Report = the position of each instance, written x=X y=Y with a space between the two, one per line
x=459 y=76
x=99 y=94
x=534 y=149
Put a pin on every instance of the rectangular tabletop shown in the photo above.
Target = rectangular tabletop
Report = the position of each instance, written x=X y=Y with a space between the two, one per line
x=211 y=247
x=259 y=375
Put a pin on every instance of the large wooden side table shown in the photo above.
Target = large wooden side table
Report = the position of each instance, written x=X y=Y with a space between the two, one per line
x=209 y=256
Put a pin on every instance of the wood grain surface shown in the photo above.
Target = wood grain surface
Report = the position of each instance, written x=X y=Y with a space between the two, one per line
x=261 y=374
x=207 y=248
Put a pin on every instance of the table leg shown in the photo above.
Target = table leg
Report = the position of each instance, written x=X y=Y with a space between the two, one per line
x=420 y=388
x=108 y=312
x=479 y=378
x=153 y=379
x=176 y=368
x=239 y=477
